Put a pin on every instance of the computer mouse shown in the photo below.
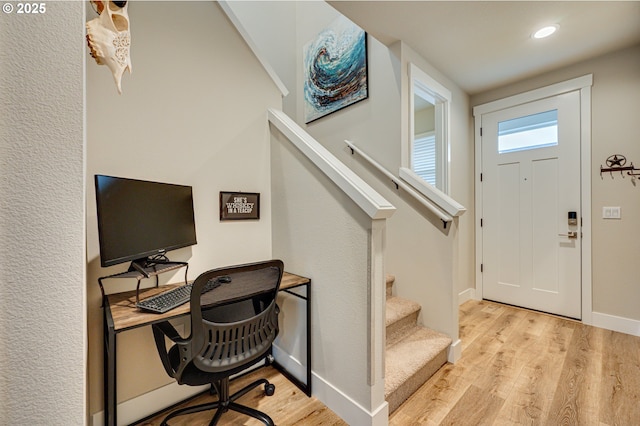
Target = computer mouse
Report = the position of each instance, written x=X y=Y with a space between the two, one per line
x=224 y=279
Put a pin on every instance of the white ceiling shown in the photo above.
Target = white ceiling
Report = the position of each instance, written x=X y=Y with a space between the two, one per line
x=481 y=45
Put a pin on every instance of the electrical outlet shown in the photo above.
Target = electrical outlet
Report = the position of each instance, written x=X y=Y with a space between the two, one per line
x=611 y=213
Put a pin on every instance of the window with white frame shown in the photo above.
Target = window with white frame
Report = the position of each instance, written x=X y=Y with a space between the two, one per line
x=429 y=136
x=424 y=157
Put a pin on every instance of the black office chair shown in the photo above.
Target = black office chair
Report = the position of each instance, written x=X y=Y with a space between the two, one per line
x=232 y=328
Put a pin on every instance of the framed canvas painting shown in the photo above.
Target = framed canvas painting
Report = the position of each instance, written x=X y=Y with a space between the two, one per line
x=335 y=69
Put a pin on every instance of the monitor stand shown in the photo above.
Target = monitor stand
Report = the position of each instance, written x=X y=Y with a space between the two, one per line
x=146 y=268
x=137 y=266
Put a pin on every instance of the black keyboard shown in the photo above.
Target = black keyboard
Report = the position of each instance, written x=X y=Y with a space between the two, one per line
x=163 y=302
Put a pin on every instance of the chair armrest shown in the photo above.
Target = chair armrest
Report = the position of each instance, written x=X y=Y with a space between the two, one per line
x=169 y=331
x=160 y=331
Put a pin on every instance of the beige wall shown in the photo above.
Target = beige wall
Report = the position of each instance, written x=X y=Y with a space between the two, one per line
x=461 y=177
x=192 y=112
x=418 y=252
x=615 y=128
x=376 y=123
x=322 y=233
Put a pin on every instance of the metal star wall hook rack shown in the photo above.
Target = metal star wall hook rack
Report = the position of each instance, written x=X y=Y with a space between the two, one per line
x=617 y=163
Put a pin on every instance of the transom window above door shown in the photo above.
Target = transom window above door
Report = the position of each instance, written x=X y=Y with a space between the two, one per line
x=528 y=132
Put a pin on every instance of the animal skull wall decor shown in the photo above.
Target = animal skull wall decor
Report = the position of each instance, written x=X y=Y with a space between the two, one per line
x=109 y=37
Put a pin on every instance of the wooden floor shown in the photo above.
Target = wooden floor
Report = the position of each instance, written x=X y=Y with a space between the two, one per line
x=288 y=406
x=526 y=368
x=517 y=368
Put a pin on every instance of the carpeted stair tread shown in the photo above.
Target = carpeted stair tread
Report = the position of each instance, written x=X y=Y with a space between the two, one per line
x=411 y=361
x=390 y=280
x=401 y=315
x=397 y=308
x=413 y=353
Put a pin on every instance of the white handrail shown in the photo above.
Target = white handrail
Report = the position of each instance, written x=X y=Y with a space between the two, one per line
x=433 y=194
x=446 y=218
x=370 y=201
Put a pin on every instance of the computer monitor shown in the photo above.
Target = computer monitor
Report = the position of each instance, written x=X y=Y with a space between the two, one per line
x=138 y=219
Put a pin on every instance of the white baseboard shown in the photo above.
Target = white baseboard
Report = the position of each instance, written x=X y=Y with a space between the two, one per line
x=151 y=402
x=468 y=294
x=349 y=410
x=455 y=351
x=345 y=407
x=612 y=322
x=380 y=417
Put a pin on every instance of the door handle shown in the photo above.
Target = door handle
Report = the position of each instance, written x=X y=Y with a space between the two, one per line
x=572 y=235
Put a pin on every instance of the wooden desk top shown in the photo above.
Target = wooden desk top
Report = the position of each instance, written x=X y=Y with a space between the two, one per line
x=125 y=315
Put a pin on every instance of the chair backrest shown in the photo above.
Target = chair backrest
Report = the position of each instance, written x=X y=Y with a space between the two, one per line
x=228 y=336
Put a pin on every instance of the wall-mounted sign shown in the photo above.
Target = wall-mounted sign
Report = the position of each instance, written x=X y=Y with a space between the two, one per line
x=239 y=205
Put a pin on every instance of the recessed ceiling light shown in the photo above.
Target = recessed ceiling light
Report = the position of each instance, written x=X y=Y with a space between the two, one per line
x=545 y=32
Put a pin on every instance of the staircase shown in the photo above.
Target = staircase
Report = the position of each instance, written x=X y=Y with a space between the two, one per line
x=413 y=353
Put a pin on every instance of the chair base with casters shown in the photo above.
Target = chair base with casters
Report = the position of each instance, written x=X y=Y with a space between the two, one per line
x=227 y=402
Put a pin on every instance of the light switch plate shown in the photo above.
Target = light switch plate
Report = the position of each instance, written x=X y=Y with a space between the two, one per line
x=611 y=213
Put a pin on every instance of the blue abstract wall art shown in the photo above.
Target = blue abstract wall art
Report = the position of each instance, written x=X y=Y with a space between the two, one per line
x=335 y=69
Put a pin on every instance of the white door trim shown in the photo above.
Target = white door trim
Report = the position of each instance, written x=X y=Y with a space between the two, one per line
x=583 y=84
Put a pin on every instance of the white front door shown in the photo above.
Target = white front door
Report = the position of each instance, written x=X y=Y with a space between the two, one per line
x=530 y=191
